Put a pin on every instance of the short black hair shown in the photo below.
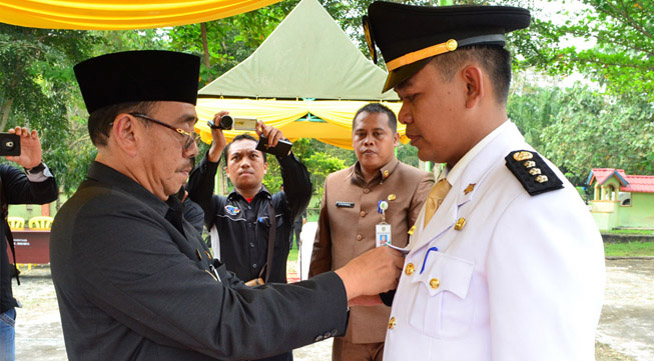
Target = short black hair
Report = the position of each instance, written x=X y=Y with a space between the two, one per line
x=377 y=108
x=494 y=59
x=101 y=120
x=236 y=139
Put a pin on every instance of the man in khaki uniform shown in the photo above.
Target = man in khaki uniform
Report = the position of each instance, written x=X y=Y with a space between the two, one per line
x=349 y=214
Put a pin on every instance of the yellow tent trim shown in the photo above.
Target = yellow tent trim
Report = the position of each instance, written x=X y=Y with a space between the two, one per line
x=120 y=14
x=284 y=114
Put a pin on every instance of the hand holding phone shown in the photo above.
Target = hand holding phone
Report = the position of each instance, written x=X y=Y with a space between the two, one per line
x=271 y=140
x=9 y=144
x=281 y=149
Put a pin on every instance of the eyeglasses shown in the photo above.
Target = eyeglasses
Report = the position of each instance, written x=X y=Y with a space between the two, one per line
x=191 y=138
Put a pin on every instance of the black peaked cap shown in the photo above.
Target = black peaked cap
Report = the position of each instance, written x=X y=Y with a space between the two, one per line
x=399 y=29
x=133 y=76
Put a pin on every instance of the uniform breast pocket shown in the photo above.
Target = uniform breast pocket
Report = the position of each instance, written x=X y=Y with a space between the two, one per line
x=440 y=306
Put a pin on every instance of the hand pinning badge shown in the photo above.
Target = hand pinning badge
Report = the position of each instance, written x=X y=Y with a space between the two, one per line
x=382 y=229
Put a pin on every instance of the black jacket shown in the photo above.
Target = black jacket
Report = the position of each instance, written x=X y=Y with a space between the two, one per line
x=243 y=227
x=134 y=282
x=18 y=189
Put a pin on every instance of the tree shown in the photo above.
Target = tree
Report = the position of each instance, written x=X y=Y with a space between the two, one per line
x=622 y=57
x=226 y=42
x=319 y=158
x=580 y=128
x=37 y=90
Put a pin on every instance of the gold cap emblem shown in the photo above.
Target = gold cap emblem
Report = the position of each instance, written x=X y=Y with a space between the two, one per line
x=520 y=156
x=451 y=45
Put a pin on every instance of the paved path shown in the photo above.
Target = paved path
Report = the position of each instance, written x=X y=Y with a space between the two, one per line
x=626 y=330
x=627 y=323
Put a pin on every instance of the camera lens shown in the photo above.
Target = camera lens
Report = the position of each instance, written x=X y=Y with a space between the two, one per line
x=8 y=145
x=226 y=122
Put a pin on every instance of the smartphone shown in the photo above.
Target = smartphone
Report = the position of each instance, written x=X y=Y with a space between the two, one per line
x=282 y=149
x=9 y=144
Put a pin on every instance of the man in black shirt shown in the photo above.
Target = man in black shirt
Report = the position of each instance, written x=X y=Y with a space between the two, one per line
x=242 y=219
x=134 y=280
x=34 y=186
x=240 y=223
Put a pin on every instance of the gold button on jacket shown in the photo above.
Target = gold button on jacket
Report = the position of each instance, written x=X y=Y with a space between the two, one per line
x=409 y=269
x=405 y=190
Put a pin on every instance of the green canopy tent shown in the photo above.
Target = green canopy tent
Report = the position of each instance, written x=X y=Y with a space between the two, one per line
x=307 y=66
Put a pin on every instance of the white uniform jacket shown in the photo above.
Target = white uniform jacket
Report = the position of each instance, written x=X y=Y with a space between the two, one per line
x=522 y=279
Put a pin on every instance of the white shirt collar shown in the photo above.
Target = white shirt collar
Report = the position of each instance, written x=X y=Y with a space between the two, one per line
x=455 y=172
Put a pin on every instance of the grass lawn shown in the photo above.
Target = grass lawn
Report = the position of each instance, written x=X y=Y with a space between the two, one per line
x=630 y=249
x=644 y=232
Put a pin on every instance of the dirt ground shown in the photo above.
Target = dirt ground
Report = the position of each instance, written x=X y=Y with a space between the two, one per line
x=625 y=333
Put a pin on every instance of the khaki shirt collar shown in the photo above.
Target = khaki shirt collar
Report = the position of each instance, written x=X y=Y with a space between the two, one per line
x=382 y=174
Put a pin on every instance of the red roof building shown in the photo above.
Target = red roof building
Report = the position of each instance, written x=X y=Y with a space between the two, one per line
x=621 y=200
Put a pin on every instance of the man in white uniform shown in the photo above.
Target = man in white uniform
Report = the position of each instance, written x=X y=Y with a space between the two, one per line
x=511 y=265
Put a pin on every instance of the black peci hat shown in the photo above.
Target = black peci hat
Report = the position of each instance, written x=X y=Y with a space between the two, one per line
x=408 y=36
x=133 y=76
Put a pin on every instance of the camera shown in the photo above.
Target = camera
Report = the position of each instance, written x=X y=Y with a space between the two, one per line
x=9 y=144
x=226 y=122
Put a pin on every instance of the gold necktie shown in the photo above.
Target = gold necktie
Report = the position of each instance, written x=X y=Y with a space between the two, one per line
x=435 y=198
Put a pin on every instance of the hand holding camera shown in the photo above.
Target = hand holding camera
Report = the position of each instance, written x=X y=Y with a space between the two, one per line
x=21 y=146
x=217 y=126
x=271 y=140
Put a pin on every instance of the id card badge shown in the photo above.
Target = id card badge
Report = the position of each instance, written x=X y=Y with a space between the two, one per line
x=382 y=234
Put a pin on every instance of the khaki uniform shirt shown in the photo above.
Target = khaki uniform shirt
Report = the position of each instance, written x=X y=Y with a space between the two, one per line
x=346 y=228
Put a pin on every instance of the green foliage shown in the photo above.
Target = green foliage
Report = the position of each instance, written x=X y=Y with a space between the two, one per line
x=408 y=154
x=533 y=109
x=226 y=42
x=37 y=90
x=579 y=129
x=321 y=165
x=319 y=158
x=125 y=40
x=622 y=44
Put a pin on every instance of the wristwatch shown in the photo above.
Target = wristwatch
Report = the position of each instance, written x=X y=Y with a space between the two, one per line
x=38 y=169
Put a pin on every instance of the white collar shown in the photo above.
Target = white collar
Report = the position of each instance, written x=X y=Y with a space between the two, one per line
x=455 y=172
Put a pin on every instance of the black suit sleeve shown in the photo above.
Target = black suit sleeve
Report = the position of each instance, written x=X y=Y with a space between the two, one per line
x=200 y=188
x=19 y=189
x=297 y=185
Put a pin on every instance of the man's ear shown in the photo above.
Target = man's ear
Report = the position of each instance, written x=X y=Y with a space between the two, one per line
x=473 y=78
x=396 y=139
x=265 y=167
x=123 y=134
